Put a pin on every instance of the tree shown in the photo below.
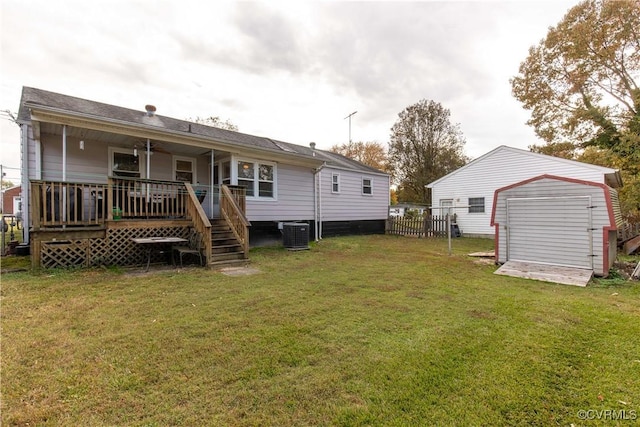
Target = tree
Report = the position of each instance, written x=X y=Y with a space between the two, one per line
x=424 y=146
x=581 y=81
x=214 y=121
x=370 y=153
x=581 y=85
x=565 y=150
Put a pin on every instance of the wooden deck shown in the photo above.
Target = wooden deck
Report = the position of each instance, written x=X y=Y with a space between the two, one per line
x=546 y=273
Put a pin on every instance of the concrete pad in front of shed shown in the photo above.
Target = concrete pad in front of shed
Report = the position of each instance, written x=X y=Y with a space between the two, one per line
x=547 y=273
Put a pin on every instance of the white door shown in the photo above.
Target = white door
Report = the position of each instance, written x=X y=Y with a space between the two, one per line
x=550 y=230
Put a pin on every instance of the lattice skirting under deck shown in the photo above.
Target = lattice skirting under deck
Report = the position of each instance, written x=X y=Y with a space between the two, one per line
x=116 y=248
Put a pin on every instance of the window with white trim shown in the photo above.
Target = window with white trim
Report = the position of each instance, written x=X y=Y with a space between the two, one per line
x=335 y=183
x=367 y=186
x=259 y=178
x=476 y=204
x=123 y=163
x=184 y=169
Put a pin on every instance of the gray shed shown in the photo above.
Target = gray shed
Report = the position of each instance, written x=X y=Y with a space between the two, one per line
x=557 y=221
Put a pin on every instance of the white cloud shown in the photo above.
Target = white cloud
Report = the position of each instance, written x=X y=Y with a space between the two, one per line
x=290 y=71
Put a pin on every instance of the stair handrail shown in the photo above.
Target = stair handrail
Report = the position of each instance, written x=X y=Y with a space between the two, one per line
x=200 y=220
x=235 y=218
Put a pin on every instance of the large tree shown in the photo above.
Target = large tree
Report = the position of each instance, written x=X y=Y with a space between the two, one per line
x=370 y=153
x=581 y=81
x=424 y=146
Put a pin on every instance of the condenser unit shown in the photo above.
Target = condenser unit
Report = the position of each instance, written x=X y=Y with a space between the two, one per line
x=295 y=235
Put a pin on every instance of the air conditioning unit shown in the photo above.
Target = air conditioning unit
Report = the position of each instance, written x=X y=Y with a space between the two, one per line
x=295 y=235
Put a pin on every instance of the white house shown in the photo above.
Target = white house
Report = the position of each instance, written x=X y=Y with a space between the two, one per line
x=469 y=190
x=96 y=175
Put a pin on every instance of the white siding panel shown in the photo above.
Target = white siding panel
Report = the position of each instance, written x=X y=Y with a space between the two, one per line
x=498 y=169
x=549 y=230
x=295 y=197
x=565 y=220
x=350 y=204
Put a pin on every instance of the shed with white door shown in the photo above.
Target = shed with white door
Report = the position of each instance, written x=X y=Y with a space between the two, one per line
x=559 y=221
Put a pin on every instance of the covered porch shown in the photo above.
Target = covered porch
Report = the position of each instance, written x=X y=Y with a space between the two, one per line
x=89 y=224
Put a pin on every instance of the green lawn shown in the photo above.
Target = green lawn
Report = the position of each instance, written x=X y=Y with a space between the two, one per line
x=375 y=330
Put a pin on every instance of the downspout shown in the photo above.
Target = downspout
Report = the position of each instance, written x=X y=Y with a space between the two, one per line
x=317 y=200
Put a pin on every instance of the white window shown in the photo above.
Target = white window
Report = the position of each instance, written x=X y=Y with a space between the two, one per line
x=123 y=163
x=448 y=204
x=335 y=183
x=259 y=178
x=184 y=169
x=367 y=186
x=476 y=204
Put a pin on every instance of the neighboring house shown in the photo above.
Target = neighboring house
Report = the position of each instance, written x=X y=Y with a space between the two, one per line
x=401 y=209
x=11 y=201
x=98 y=175
x=469 y=190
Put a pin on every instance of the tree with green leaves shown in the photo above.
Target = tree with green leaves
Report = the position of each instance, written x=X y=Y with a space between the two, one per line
x=424 y=146
x=581 y=82
x=370 y=153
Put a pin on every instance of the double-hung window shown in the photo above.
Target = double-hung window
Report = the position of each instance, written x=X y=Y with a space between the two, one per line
x=335 y=183
x=476 y=204
x=184 y=169
x=367 y=186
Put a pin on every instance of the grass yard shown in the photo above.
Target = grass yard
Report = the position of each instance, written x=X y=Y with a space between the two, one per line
x=375 y=330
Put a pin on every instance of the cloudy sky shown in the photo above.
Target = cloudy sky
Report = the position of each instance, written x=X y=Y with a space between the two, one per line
x=287 y=70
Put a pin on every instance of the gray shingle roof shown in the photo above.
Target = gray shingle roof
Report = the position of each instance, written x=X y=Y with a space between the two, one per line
x=32 y=97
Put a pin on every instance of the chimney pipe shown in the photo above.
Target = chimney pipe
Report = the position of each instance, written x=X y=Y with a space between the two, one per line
x=313 y=148
x=151 y=109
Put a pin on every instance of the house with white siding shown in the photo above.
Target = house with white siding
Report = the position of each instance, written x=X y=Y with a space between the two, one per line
x=96 y=176
x=468 y=192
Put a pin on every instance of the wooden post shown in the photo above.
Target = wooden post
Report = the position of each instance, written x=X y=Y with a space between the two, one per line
x=109 y=196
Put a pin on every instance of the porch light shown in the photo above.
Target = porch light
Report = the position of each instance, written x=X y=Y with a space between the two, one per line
x=135 y=151
x=82 y=144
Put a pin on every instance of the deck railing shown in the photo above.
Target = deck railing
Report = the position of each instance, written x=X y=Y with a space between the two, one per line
x=233 y=209
x=61 y=204
x=145 y=198
x=57 y=204
x=200 y=221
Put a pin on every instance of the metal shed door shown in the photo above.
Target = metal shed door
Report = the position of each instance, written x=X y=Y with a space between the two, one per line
x=550 y=230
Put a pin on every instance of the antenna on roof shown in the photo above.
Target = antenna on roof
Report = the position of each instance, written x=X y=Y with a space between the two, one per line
x=349 y=117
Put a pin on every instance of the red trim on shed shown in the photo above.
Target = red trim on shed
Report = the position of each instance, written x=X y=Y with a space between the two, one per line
x=607 y=196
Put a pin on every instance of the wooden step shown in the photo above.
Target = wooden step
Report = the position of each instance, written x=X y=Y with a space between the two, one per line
x=227 y=256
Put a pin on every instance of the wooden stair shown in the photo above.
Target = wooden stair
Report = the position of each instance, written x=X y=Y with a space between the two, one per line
x=225 y=248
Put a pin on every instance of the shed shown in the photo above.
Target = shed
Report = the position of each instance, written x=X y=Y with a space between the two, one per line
x=557 y=221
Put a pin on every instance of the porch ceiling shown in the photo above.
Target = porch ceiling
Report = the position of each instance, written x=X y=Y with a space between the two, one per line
x=124 y=141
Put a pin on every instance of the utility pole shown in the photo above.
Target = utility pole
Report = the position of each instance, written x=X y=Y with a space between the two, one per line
x=349 y=117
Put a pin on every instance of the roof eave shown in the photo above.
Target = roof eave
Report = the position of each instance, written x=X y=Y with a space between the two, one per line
x=65 y=117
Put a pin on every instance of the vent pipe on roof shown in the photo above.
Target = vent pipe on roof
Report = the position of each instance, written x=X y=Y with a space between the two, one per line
x=313 y=147
x=151 y=109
